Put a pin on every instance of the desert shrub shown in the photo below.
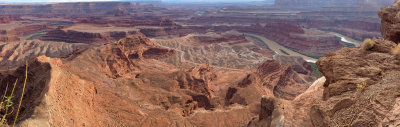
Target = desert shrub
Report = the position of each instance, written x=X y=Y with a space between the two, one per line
x=361 y=86
x=383 y=74
x=6 y=103
x=396 y=51
x=367 y=44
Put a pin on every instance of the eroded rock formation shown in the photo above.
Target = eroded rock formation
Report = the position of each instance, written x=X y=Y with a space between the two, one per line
x=271 y=79
x=15 y=54
x=72 y=36
x=390 y=22
x=229 y=50
x=360 y=91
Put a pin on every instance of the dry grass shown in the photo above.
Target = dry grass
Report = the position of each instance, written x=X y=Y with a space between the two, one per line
x=6 y=103
x=367 y=44
x=396 y=51
x=361 y=86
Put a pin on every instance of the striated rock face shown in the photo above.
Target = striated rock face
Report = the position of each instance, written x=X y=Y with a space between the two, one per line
x=298 y=64
x=284 y=27
x=14 y=54
x=122 y=83
x=224 y=38
x=8 y=19
x=119 y=57
x=360 y=89
x=173 y=31
x=8 y=38
x=294 y=37
x=280 y=113
x=72 y=36
x=27 y=30
x=125 y=74
x=390 y=22
x=130 y=22
x=343 y=75
x=271 y=114
x=14 y=34
x=229 y=50
x=271 y=79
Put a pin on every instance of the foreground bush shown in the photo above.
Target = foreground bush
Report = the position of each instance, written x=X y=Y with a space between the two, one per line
x=367 y=44
x=6 y=103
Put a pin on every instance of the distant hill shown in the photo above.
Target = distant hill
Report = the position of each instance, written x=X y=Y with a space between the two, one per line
x=332 y=3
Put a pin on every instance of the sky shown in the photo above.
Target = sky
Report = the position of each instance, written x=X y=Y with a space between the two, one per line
x=45 y=1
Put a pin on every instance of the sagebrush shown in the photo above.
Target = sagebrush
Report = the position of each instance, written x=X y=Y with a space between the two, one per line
x=6 y=101
x=368 y=44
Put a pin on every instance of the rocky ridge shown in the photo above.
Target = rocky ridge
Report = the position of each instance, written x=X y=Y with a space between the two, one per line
x=129 y=74
x=360 y=90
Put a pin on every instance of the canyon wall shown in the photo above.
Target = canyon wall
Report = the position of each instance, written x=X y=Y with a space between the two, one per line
x=332 y=3
x=59 y=9
x=72 y=36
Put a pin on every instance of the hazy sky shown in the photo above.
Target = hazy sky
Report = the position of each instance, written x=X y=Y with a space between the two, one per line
x=210 y=0
x=35 y=1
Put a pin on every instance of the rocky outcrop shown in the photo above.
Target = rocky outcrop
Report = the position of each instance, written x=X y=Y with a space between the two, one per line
x=360 y=87
x=36 y=86
x=271 y=79
x=14 y=54
x=271 y=114
x=138 y=86
x=284 y=27
x=343 y=75
x=390 y=22
x=298 y=64
x=120 y=57
x=227 y=52
x=275 y=112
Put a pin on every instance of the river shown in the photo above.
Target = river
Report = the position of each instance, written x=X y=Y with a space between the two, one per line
x=277 y=48
x=346 y=39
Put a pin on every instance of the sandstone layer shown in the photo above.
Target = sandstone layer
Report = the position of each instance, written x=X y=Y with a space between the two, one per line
x=125 y=84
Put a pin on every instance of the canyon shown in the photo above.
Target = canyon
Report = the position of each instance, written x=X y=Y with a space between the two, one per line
x=201 y=65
